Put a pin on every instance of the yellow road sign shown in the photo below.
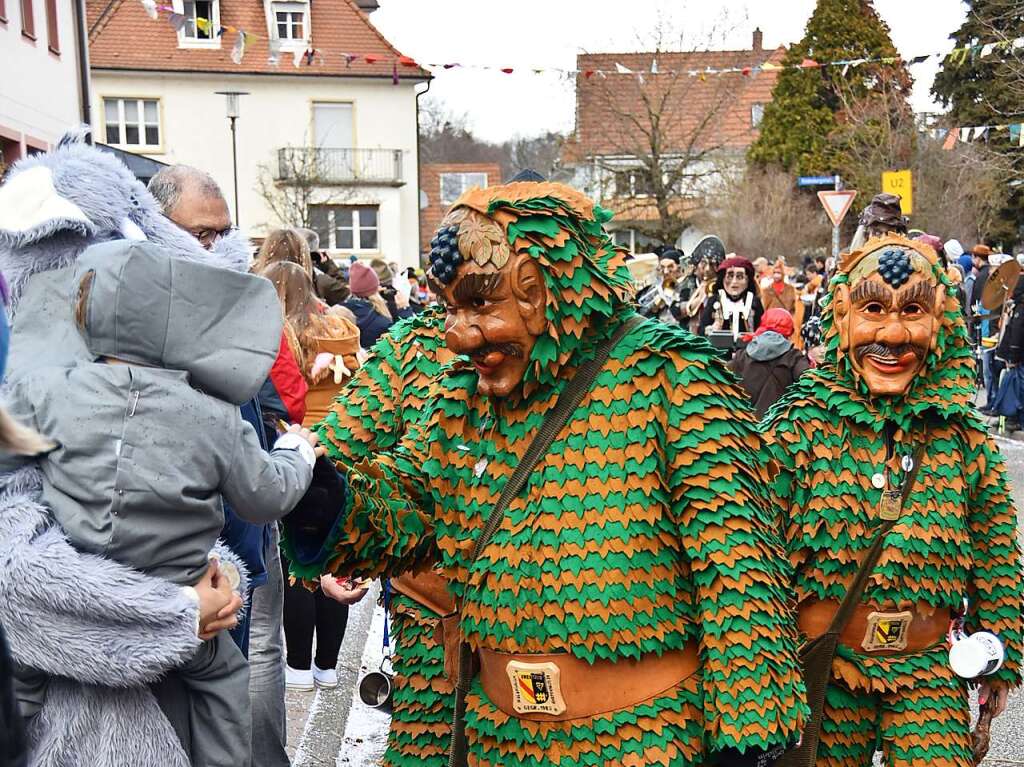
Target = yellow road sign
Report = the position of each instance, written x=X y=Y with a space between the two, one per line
x=900 y=182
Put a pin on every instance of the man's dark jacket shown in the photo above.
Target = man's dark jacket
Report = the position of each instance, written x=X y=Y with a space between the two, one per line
x=767 y=365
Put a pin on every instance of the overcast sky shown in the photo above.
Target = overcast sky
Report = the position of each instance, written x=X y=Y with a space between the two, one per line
x=549 y=33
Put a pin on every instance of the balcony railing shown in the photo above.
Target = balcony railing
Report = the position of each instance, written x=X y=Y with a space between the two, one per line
x=326 y=166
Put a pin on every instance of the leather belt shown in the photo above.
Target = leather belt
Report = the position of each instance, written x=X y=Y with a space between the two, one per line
x=878 y=630
x=560 y=687
x=428 y=589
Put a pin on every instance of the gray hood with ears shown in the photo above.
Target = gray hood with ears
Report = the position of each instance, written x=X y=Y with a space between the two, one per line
x=221 y=327
x=55 y=205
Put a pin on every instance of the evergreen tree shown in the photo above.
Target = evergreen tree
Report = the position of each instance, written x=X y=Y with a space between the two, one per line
x=989 y=90
x=808 y=103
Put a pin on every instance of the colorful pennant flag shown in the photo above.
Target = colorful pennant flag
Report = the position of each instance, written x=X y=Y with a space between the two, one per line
x=955 y=57
x=238 y=49
x=177 y=21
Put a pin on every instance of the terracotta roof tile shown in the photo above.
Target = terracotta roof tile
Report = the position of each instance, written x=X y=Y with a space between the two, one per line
x=705 y=113
x=122 y=36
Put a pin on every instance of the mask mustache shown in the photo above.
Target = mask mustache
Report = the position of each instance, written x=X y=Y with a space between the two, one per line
x=893 y=354
x=508 y=349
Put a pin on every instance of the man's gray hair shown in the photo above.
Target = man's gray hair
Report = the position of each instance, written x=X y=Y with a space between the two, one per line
x=168 y=185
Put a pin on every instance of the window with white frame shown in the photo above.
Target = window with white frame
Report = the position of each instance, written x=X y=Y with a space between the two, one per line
x=202 y=22
x=454 y=184
x=345 y=227
x=634 y=182
x=756 y=115
x=290 y=21
x=132 y=122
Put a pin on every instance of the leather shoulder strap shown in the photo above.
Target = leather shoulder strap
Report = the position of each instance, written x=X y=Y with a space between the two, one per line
x=565 y=406
x=867 y=565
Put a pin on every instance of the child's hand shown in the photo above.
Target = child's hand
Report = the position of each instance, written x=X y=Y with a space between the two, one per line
x=311 y=437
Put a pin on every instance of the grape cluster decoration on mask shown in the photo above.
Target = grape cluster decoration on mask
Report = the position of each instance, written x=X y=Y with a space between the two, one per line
x=894 y=266
x=444 y=253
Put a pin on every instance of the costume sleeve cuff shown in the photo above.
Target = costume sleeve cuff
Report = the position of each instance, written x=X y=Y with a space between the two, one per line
x=292 y=441
x=193 y=596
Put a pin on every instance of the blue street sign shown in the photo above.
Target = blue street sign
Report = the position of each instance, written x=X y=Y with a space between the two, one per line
x=815 y=180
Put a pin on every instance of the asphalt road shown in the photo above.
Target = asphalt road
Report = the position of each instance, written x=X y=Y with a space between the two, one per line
x=330 y=729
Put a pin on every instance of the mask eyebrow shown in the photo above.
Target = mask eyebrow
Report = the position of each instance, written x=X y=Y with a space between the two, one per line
x=920 y=293
x=869 y=290
x=476 y=285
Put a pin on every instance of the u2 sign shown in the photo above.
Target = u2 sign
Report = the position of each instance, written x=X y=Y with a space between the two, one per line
x=900 y=182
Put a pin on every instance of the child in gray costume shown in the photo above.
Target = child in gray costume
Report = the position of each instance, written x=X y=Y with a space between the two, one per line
x=149 y=438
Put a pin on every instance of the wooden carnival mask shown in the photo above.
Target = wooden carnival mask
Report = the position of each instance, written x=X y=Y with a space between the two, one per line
x=888 y=313
x=495 y=298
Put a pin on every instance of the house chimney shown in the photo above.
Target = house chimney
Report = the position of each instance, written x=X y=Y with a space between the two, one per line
x=367 y=6
x=758 y=39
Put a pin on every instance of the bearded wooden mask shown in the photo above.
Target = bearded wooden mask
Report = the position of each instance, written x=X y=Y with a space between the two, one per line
x=888 y=313
x=495 y=298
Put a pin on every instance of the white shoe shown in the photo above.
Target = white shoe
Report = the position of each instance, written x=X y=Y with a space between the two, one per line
x=327 y=679
x=298 y=679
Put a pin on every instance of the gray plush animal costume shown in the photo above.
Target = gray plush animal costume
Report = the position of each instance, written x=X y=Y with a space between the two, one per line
x=105 y=632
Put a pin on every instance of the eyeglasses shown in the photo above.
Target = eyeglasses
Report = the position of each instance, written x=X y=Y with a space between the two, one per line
x=207 y=237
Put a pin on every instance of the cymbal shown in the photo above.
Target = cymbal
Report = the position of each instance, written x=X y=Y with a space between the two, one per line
x=642 y=268
x=1000 y=284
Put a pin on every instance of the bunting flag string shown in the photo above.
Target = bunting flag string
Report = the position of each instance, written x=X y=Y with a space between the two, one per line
x=309 y=56
x=969 y=133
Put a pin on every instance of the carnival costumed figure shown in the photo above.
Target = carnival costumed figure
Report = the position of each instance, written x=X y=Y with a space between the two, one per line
x=735 y=305
x=779 y=294
x=885 y=434
x=703 y=287
x=667 y=298
x=631 y=606
x=371 y=416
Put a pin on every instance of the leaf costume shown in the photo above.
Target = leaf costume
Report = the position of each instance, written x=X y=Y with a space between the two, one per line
x=644 y=530
x=370 y=417
x=956 y=537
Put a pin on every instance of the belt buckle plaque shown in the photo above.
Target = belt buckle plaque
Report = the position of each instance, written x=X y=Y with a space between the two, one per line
x=887 y=631
x=536 y=688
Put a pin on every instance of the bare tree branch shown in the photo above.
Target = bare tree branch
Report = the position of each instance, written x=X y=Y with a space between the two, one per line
x=658 y=144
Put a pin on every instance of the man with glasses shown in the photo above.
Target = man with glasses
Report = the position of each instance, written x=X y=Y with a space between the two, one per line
x=191 y=199
x=194 y=202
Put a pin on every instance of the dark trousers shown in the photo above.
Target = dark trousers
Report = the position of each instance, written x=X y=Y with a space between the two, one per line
x=206 y=700
x=304 y=612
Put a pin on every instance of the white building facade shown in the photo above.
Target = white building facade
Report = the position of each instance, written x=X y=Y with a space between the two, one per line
x=314 y=144
x=39 y=87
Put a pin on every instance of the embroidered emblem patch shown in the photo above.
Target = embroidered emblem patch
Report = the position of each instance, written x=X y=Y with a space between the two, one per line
x=887 y=631
x=890 y=506
x=536 y=688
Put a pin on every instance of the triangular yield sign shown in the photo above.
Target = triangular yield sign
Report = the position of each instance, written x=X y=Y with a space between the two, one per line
x=836 y=204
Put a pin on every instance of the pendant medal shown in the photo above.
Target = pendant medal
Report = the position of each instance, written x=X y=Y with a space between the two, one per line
x=878 y=480
x=907 y=462
x=480 y=468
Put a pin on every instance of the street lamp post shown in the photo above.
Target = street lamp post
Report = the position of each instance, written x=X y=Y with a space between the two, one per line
x=232 y=114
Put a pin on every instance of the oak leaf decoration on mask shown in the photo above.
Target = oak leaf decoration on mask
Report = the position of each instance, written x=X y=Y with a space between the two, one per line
x=483 y=241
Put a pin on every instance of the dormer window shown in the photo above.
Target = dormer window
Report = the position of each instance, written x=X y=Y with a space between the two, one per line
x=290 y=21
x=202 y=22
